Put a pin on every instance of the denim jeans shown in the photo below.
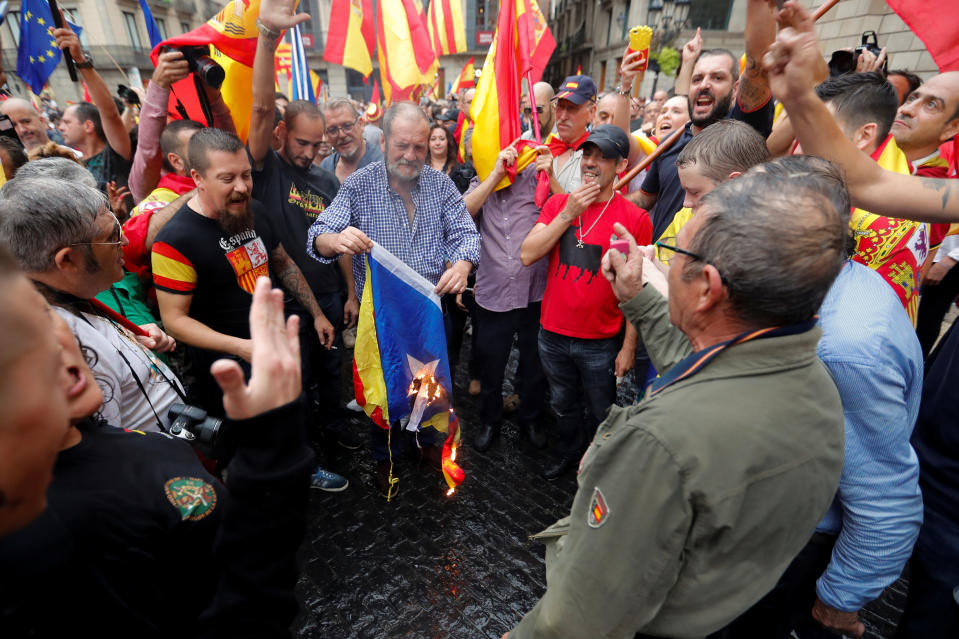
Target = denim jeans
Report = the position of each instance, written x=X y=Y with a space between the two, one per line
x=572 y=364
x=498 y=329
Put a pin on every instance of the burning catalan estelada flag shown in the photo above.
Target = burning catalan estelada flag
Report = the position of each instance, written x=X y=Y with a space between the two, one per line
x=400 y=365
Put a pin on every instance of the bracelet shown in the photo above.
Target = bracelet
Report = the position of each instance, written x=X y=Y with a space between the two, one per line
x=624 y=92
x=267 y=32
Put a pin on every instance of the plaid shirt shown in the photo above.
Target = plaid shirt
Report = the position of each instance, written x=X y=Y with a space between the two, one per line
x=442 y=228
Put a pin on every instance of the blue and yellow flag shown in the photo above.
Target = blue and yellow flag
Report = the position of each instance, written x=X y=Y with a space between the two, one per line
x=37 y=54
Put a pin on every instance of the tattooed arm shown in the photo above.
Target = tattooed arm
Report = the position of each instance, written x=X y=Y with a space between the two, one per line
x=290 y=275
x=759 y=34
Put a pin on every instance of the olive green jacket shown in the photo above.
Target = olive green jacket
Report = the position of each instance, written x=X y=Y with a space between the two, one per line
x=692 y=503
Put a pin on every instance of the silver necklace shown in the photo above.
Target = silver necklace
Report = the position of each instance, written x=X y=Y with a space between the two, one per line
x=582 y=236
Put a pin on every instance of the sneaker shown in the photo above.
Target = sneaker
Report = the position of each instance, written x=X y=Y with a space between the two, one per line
x=330 y=482
x=354 y=406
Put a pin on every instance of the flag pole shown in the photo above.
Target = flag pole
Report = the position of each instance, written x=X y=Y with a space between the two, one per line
x=532 y=101
x=59 y=24
x=659 y=150
x=818 y=13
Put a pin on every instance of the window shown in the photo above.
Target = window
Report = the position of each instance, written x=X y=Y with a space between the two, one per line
x=602 y=76
x=132 y=33
x=710 y=14
x=74 y=16
x=184 y=27
x=13 y=20
x=161 y=27
x=486 y=11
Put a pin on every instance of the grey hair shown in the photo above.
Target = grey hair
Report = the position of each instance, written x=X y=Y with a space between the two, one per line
x=778 y=244
x=41 y=215
x=335 y=104
x=59 y=168
x=404 y=110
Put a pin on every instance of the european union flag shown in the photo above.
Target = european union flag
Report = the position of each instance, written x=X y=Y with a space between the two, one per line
x=37 y=55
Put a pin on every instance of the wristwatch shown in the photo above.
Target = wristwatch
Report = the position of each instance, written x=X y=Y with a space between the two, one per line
x=86 y=62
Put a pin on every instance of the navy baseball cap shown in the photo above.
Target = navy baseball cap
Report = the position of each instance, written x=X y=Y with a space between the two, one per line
x=610 y=140
x=577 y=89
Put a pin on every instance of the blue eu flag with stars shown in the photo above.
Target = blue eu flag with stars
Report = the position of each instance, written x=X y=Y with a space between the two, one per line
x=37 y=55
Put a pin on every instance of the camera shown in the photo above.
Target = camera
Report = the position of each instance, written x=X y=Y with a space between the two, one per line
x=201 y=64
x=128 y=94
x=843 y=61
x=195 y=426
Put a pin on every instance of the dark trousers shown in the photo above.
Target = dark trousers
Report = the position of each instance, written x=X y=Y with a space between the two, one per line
x=933 y=306
x=578 y=369
x=494 y=349
x=204 y=392
x=932 y=608
x=321 y=368
x=788 y=605
x=455 y=319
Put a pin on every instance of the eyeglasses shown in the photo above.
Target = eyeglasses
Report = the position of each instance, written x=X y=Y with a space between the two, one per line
x=669 y=246
x=116 y=237
x=343 y=128
x=529 y=110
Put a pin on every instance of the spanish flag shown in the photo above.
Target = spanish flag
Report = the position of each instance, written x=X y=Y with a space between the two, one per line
x=466 y=79
x=406 y=56
x=521 y=48
x=941 y=36
x=351 y=37
x=446 y=27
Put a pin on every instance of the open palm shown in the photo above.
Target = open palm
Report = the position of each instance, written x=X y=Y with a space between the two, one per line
x=278 y=15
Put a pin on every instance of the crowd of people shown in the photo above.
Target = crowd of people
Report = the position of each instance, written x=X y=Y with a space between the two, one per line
x=774 y=283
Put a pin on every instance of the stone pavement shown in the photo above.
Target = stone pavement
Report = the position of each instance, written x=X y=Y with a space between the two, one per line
x=435 y=567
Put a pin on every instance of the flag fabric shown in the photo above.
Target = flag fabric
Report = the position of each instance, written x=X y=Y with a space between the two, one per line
x=302 y=85
x=467 y=77
x=446 y=27
x=375 y=96
x=521 y=47
x=152 y=29
x=37 y=53
x=351 y=37
x=406 y=56
x=941 y=36
x=400 y=360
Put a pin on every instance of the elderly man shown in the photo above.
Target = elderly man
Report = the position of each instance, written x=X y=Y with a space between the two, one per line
x=70 y=244
x=693 y=502
x=574 y=109
x=417 y=214
x=26 y=121
x=344 y=130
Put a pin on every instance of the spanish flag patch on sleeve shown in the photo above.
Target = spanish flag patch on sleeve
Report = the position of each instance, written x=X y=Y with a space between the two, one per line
x=172 y=272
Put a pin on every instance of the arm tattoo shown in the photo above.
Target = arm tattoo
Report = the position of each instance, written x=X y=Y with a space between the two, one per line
x=293 y=281
x=642 y=200
x=945 y=187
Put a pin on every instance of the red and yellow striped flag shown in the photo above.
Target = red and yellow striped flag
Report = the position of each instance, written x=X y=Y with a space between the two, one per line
x=467 y=77
x=406 y=56
x=522 y=45
x=351 y=36
x=446 y=27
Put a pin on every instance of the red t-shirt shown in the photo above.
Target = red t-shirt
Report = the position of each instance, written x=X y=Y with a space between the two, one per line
x=579 y=302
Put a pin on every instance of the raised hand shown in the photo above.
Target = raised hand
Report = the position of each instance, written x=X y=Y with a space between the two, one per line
x=277 y=15
x=692 y=48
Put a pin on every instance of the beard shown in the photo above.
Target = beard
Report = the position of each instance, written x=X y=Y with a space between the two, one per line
x=236 y=223
x=719 y=111
x=394 y=167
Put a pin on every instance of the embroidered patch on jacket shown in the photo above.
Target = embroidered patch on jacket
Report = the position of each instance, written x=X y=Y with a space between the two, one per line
x=193 y=497
x=598 y=510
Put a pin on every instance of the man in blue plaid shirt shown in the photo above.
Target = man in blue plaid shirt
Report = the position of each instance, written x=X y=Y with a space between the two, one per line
x=417 y=214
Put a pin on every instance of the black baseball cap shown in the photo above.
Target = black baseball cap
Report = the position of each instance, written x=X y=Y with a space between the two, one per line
x=610 y=140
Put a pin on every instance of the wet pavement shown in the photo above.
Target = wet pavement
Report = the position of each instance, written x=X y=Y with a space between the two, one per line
x=434 y=567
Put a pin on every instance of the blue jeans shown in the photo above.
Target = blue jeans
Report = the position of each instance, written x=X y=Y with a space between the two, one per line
x=571 y=363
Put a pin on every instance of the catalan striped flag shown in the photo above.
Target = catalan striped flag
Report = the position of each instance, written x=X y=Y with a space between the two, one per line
x=301 y=83
x=521 y=47
x=351 y=37
x=446 y=27
x=406 y=56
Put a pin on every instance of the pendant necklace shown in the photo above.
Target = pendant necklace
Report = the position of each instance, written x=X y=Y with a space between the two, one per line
x=582 y=236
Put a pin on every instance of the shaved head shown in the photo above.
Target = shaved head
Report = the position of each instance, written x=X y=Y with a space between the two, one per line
x=27 y=122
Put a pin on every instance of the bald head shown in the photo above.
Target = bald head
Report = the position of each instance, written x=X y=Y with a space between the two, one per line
x=605 y=109
x=929 y=116
x=27 y=122
x=543 y=92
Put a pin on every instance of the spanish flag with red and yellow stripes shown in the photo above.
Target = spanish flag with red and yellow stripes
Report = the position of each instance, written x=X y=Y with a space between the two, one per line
x=446 y=27
x=467 y=77
x=351 y=37
x=521 y=48
x=406 y=56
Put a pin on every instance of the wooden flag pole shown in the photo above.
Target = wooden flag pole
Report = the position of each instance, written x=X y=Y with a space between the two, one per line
x=818 y=13
x=646 y=161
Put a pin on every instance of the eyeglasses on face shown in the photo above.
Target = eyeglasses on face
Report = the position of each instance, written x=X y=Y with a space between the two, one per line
x=529 y=110
x=115 y=239
x=343 y=128
x=666 y=246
